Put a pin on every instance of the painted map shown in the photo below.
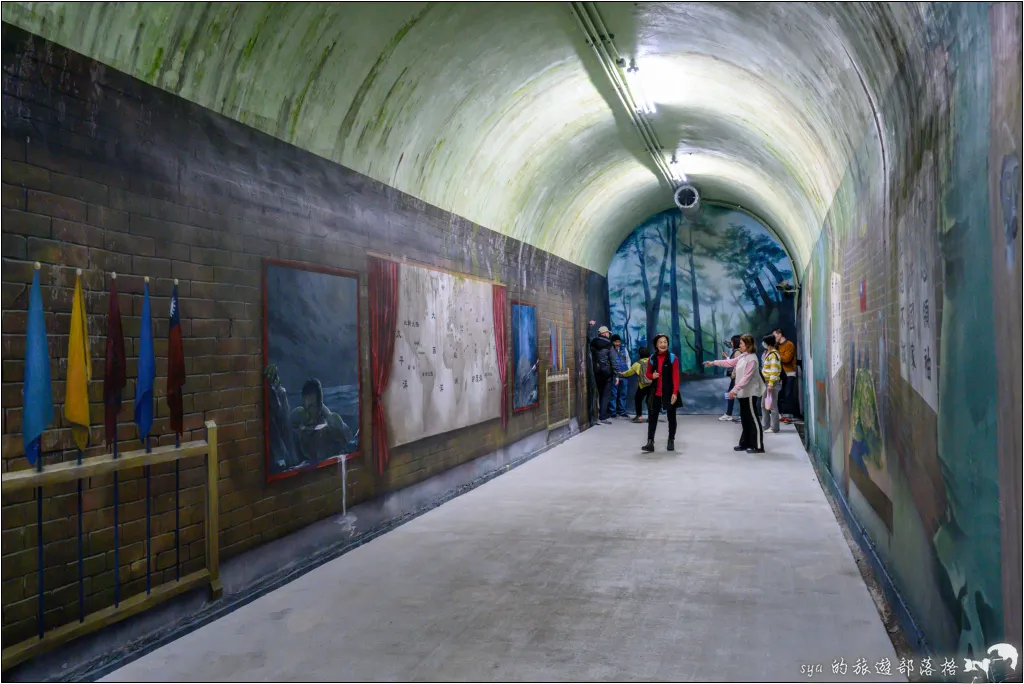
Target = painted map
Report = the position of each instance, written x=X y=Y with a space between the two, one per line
x=444 y=373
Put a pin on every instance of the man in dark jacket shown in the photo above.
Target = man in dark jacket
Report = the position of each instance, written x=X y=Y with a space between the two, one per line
x=604 y=372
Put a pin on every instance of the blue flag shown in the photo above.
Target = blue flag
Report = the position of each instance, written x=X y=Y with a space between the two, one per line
x=37 y=413
x=147 y=372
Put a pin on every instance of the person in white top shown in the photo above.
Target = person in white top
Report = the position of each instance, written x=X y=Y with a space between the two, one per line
x=748 y=389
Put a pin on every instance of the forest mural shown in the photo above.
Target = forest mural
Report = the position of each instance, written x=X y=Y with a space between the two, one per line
x=700 y=281
x=918 y=428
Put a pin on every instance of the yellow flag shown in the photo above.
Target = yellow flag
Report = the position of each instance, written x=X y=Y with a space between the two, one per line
x=76 y=394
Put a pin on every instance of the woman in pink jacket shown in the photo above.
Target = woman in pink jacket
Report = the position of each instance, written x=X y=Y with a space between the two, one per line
x=748 y=389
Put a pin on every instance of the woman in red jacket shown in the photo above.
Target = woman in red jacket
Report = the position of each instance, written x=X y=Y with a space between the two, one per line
x=663 y=371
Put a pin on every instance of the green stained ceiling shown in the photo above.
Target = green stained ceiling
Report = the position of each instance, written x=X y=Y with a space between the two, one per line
x=499 y=112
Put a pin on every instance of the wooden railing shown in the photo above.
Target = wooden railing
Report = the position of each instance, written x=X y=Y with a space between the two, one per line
x=557 y=379
x=106 y=464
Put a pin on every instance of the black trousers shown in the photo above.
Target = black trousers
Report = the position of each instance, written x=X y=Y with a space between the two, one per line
x=729 y=403
x=789 y=402
x=752 y=436
x=604 y=391
x=643 y=395
x=658 y=403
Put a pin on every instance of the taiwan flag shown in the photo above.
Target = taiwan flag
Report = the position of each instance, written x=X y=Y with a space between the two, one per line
x=175 y=367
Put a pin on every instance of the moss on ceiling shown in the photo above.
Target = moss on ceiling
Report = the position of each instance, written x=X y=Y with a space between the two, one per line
x=499 y=113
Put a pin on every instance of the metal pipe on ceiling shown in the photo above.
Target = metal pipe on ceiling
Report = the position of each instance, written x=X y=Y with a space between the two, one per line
x=598 y=39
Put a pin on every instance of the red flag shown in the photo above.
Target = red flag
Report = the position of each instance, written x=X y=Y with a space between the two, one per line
x=175 y=367
x=114 y=377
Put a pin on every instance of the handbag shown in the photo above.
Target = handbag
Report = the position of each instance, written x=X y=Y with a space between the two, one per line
x=768 y=401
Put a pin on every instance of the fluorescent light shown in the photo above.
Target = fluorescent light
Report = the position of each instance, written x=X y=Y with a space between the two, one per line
x=636 y=88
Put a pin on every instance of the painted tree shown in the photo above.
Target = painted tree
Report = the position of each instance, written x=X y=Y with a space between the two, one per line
x=731 y=267
x=672 y=231
x=628 y=312
x=767 y=254
x=696 y=233
x=745 y=264
x=646 y=259
x=713 y=301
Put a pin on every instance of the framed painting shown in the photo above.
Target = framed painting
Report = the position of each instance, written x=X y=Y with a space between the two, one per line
x=526 y=376
x=311 y=376
x=445 y=372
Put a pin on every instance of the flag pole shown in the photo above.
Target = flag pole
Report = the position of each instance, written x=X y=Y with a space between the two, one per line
x=117 y=527
x=177 y=522
x=177 y=444
x=81 y=571
x=149 y=536
x=81 y=583
x=177 y=501
x=39 y=525
x=39 y=543
x=149 y=519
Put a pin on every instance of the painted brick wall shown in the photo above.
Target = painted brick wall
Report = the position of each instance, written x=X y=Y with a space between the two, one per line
x=104 y=173
x=938 y=504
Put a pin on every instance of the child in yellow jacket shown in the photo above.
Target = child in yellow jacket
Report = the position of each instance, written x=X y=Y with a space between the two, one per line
x=643 y=389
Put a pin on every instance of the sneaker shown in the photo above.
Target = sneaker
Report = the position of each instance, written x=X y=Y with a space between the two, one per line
x=736 y=419
x=606 y=421
x=786 y=420
x=755 y=451
x=725 y=418
x=739 y=448
x=638 y=419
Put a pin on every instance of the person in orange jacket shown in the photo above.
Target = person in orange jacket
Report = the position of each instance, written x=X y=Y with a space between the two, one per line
x=787 y=395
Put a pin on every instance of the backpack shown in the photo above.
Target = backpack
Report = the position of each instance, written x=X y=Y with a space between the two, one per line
x=642 y=376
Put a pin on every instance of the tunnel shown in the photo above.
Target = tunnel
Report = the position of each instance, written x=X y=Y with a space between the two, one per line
x=304 y=365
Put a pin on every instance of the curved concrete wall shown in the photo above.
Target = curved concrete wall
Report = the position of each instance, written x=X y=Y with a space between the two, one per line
x=488 y=110
x=911 y=320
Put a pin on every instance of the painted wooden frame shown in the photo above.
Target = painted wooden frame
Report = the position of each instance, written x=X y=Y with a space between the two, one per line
x=105 y=464
x=327 y=270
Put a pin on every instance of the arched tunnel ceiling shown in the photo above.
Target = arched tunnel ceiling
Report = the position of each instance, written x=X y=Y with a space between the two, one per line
x=499 y=112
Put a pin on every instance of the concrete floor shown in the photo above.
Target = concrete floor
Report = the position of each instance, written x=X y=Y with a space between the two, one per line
x=593 y=561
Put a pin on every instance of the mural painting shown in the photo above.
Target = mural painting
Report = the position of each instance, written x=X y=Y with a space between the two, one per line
x=700 y=281
x=525 y=387
x=311 y=366
x=444 y=370
x=867 y=466
x=1005 y=201
x=916 y=415
x=918 y=256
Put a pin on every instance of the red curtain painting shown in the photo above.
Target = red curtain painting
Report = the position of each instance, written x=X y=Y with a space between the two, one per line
x=501 y=346
x=383 y=286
